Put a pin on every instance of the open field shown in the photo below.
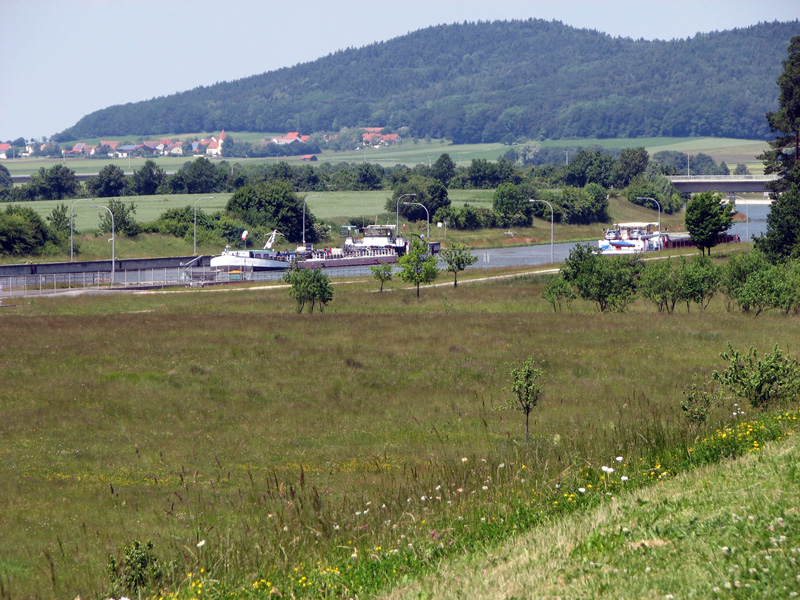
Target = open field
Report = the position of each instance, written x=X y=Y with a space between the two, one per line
x=260 y=445
x=732 y=151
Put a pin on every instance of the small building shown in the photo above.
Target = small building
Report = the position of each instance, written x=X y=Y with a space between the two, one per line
x=309 y=157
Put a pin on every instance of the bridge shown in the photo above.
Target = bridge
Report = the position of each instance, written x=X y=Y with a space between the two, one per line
x=729 y=184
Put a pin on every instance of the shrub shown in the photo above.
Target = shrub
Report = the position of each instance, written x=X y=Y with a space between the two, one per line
x=762 y=382
x=140 y=569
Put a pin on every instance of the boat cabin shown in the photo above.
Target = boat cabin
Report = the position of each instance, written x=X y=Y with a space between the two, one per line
x=631 y=231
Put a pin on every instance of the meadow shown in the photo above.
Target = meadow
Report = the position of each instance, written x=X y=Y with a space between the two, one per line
x=264 y=451
x=732 y=151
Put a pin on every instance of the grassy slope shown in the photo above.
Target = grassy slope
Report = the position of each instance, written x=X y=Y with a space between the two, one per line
x=731 y=530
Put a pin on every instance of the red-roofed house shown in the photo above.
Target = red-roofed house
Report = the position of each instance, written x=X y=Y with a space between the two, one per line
x=380 y=138
x=289 y=138
x=4 y=149
x=309 y=157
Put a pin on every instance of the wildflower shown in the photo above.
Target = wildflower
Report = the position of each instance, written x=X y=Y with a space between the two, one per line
x=604 y=469
x=624 y=478
x=485 y=487
x=201 y=543
x=501 y=465
x=464 y=459
x=582 y=490
x=619 y=459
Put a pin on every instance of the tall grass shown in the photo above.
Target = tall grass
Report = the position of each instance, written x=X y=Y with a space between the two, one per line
x=249 y=441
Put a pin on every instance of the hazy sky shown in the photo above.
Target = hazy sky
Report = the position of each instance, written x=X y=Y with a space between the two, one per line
x=66 y=58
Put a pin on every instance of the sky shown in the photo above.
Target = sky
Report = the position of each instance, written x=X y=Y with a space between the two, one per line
x=64 y=59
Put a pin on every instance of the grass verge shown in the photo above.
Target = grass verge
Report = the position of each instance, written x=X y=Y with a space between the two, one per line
x=726 y=530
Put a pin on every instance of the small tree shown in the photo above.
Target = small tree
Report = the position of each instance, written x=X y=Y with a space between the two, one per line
x=526 y=389
x=698 y=281
x=557 y=291
x=382 y=272
x=699 y=402
x=706 y=218
x=660 y=283
x=124 y=222
x=309 y=286
x=610 y=281
x=763 y=382
x=59 y=218
x=418 y=264
x=458 y=258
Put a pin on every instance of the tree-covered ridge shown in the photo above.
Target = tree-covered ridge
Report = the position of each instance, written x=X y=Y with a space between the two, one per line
x=498 y=81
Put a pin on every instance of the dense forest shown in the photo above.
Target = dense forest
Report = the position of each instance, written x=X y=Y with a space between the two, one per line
x=491 y=82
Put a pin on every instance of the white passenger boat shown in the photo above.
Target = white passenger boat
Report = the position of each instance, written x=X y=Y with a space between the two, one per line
x=633 y=238
x=265 y=259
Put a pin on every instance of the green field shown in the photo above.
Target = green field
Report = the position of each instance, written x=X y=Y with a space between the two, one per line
x=261 y=448
x=732 y=151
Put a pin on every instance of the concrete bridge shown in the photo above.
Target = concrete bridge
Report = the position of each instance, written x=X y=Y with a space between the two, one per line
x=730 y=184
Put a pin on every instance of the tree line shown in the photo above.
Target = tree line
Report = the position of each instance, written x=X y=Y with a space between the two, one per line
x=577 y=192
x=749 y=281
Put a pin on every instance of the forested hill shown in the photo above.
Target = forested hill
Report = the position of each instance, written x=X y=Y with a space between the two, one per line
x=488 y=82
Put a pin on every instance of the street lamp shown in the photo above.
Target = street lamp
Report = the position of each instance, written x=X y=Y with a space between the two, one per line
x=113 y=242
x=195 y=221
x=397 y=211
x=552 y=259
x=659 y=213
x=427 y=215
x=746 y=214
x=72 y=227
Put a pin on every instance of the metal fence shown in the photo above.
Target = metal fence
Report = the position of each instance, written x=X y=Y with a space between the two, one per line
x=44 y=284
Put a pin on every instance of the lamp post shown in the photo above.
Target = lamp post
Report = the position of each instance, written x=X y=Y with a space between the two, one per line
x=552 y=258
x=659 y=213
x=397 y=211
x=72 y=227
x=113 y=242
x=195 y=221
x=427 y=215
x=746 y=214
